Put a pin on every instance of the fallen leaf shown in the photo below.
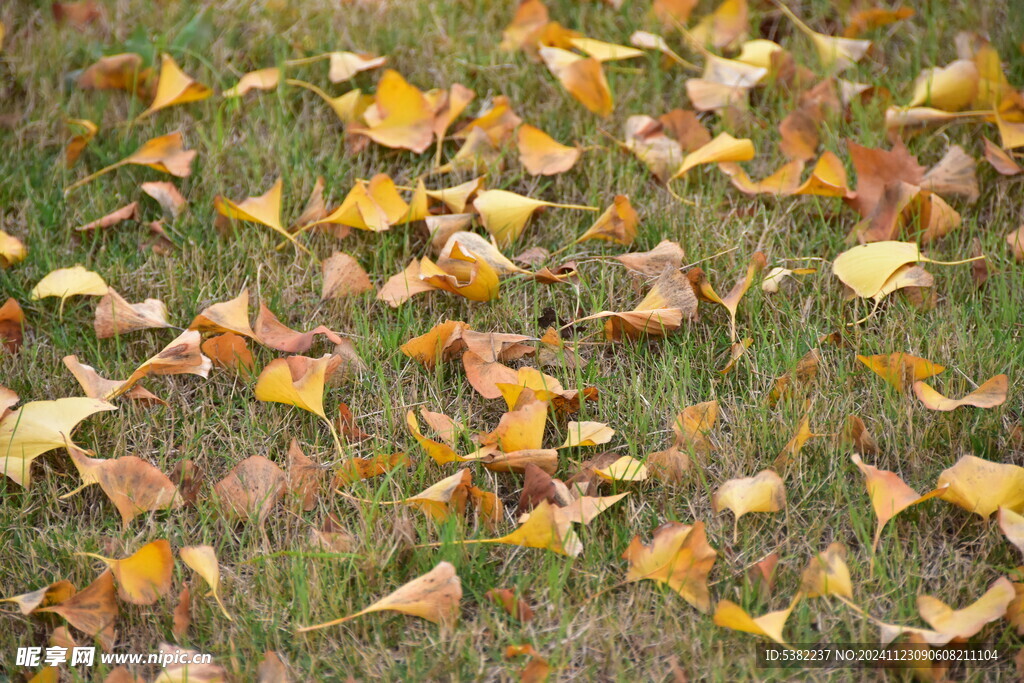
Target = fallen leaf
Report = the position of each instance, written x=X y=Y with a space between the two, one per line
x=227 y=316
x=435 y=596
x=274 y=334
x=587 y=434
x=827 y=574
x=68 y=282
x=250 y=491
x=793 y=447
x=123 y=71
x=343 y=277
x=116 y=316
x=145 y=576
x=174 y=87
x=1016 y=241
x=982 y=487
x=182 y=672
x=78 y=142
x=165 y=153
x=856 y=433
x=867 y=267
x=203 y=560
x=543 y=529
x=1010 y=523
x=271 y=669
x=725 y=27
x=133 y=485
x=228 y=350
x=465 y=274
x=296 y=381
x=182 y=617
x=625 y=468
x=1000 y=160
x=654 y=262
x=53 y=594
x=355 y=469
x=264 y=209
x=723 y=148
x=872 y=18
x=526 y=26
x=835 y=52
x=582 y=77
x=400 y=117
x=617 y=224
x=690 y=427
x=443 y=342
x=954 y=174
x=901 y=370
x=763 y=492
x=540 y=154
x=730 y=301
x=505 y=214
x=990 y=394
x=93 y=610
x=38 y=427
x=730 y=615
x=508 y=599
x=260 y=79
x=679 y=556
x=967 y=622
x=949 y=88
x=12 y=325
x=167 y=195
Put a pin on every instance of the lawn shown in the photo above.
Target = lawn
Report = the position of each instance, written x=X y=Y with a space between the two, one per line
x=589 y=622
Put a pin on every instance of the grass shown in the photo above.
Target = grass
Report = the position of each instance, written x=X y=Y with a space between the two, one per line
x=273 y=581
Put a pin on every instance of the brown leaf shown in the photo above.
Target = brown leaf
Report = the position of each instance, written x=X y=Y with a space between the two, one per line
x=272 y=333
x=954 y=174
x=857 y=434
x=228 y=350
x=355 y=469
x=272 y=669
x=1001 y=160
x=12 y=324
x=877 y=168
x=539 y=486
x=93 y=610
x=250 y=490
x=116 y=316
x=129 y=212
x=167 y=195
x=182 y=617
x=508 y=599
x=133 y=485
x=343 y=276
x=652 y=263
x=304 y=479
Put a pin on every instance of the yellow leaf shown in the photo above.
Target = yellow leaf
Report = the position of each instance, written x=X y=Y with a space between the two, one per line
x=401 y=117
x=349 y=107
x=464 y=274
x=605 y=52
x=435 y=500
x=522 y=429
x=53 y=594
x=296 y=381
x=226 y=316
x=730 y=615
x=950 y=88
x=67 y=282
x=12 y=250
x=345 y=65
x=834 y=51
x=203 y=560
x=540 y=154
x=723 y=28
x=827 y=574
x=763 y=492
x=38 y=427
x=587 y=434
x=582 y=77
x=679 y=556
x=544 y=529
x=264 y=209
x=78 y=142
x=901 y=369
x=505 y=213
x=965 y=623
x=435 y=596
x=723 y=148
x=617 y=224
x=625 y=468
x=261 y=79
x=989 y=395
x=982 y=487
x=174 y=87
x=144 y=577
x=866 y=267
x=440 y=452
x=889 y=494
x=1010 y=523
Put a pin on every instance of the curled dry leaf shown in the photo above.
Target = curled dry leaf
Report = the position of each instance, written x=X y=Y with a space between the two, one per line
x=509 y=600
x=435 y=596
x=226 y=316
x=617 y=224
x=250 y=491
x=723 y=148
x=990 y=394
x=123 y=71
x=145 y=576
x=165 y=153
x=690 y=427
x=133 y=485
x=967 y=622
x=203 y=560
x=889 y=494
x=260 y=79
x=587 y=434
x=679 y=556
x=667 y=254
x=93 y=610
x=443 y=342
x=96 y=386
x=274 y=334
x=730 y=615
x=116 y=316
x=1001 y=160
x=856 y=433
x=731 y=301
x=129 y=212
x=304 y=479
x=38 y=427
x=167 y=195
x=982 y=487
x=625 y=468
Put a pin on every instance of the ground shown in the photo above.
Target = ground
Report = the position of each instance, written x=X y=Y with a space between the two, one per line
x=587 y=626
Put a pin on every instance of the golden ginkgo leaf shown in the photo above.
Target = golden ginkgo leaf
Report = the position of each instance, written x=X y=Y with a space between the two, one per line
x=587 y=434
x=401 y=116
x=12 y=250
x=889 y=494
x=605 y=52
x=68 y=282
x=990 y=394
x=261 y=79
x=203 y=560
x=901 y=370
x=435 y=596
x=866 y=267
x=582 y=77
x=626 y=468
x=540 y=154
x=296 y=381
x=38 y=427
x=723 y=148
x=505 y=213
x=145 y=576
x=165 y=153
x=982 y=486
x=174 y=87
x=678 y=555
x=617 y=224
x=827 y=574
x=834 y=51
x=730 y=615
x=264 y=209
x=763 y=492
